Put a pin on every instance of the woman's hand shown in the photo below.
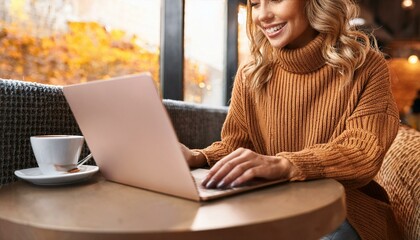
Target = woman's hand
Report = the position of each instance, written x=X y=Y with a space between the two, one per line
x=243 y=165
x=193 y=158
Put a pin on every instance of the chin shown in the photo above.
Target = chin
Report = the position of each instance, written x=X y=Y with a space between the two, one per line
x=278 y=45
x=279 y=42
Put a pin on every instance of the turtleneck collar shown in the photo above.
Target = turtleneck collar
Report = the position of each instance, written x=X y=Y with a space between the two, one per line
x=305 y=59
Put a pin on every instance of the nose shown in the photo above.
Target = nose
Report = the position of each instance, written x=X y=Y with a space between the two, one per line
x=265 y=13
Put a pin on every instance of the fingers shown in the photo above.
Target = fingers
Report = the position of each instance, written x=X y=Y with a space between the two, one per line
x=242 y=166
x=221 y=168
x=231 y=167
x=259 y=171
x=238 y=172
x=188 y=154
x=226 y=175
x=247 y=176
x=185 y=150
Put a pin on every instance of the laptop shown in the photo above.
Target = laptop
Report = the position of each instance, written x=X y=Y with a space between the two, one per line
x=132 y=140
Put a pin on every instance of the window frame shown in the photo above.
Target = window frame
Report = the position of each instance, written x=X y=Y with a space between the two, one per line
x=172 y=48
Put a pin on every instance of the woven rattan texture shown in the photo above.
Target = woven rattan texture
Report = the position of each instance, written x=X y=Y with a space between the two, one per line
x=28 y=109
x=400 y=176
x=197 y=126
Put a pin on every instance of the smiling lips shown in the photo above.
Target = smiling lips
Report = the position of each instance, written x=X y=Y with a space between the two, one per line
x=271 y=31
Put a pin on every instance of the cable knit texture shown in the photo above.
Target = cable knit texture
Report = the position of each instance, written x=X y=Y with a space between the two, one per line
x=327 y=127
x=400 y=174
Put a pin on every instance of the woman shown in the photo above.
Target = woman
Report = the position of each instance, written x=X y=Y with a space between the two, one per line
x=313 y=101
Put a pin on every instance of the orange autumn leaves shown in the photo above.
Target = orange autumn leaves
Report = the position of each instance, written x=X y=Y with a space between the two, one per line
x=87 y=51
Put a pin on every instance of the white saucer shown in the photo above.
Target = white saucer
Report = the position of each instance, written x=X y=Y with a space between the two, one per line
x=35 y=176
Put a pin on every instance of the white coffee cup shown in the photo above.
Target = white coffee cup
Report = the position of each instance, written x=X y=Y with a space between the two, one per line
x=56 y=154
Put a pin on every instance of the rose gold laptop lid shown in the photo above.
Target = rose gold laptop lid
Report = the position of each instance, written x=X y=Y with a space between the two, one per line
x=130 y=135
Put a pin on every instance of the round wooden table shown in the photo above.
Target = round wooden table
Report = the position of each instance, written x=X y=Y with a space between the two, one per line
x=100 y=209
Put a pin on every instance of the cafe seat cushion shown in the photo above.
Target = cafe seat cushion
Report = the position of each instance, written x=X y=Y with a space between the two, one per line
x=399 y=175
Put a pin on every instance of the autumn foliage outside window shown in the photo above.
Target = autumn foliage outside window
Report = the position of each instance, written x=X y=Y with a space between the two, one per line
x=32 y=49
x=86 y=52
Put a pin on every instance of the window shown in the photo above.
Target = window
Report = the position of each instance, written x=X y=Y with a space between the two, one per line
x=69 y=41
x=204 y=45
x=243 y=41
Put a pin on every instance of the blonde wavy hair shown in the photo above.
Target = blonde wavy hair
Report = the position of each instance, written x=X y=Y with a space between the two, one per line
x=344 y=48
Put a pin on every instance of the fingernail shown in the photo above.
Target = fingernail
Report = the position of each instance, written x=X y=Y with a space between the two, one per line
x=221 y=184
x=205 y=181
x=233 y=184
x=210 y=184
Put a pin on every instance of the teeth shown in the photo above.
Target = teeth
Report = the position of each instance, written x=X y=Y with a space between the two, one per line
x=274 y=29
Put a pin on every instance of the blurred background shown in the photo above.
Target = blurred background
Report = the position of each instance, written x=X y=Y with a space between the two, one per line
x=191 y=47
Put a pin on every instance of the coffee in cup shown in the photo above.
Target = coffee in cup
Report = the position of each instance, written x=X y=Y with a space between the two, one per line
x=56 y=154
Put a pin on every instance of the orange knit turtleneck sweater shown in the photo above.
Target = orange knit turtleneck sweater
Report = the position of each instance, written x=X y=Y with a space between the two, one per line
x=326 y=127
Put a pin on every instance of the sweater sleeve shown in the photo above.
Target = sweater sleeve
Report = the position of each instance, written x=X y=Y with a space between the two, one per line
x=355 y=155
x=234 y=133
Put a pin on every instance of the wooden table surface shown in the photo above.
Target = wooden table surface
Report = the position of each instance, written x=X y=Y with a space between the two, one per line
x=100 y=209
